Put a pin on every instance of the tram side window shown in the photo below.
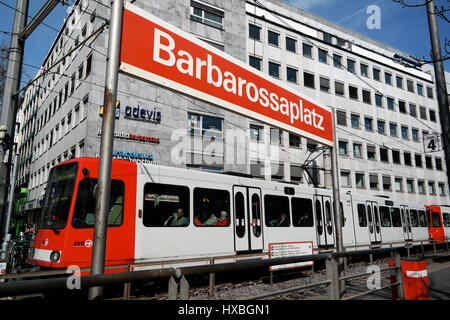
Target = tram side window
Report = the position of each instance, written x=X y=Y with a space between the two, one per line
x=362 y=215
x=422 y=219
x=302 y=212
x=446 y=217
x=414 y=218
x=165 y=205
x=396 y=219
x=385 y=217
x=276 y=211
x=435 y=219
x=84 y=213
x=211 y=208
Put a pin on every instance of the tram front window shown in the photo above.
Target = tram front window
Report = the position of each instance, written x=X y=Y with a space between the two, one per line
x=58 y=196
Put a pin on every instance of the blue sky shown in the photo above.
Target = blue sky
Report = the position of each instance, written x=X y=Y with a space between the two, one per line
x=402 y=28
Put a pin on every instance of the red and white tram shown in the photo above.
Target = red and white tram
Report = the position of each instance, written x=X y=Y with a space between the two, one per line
x=160 y=213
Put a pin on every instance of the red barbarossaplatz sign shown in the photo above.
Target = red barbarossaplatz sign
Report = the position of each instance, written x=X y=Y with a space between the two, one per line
x=168 y=56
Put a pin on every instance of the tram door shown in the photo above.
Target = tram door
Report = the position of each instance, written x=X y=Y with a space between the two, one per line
x=324 y=221
x=247 y=219
x=373 y=219
x=406 y=219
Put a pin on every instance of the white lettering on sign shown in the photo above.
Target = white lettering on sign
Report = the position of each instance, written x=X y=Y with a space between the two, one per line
x=290 y=249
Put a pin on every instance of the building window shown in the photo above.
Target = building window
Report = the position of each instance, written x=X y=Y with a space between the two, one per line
x=441 y=187
x=410 y=85
x=388 y=78
x=409 y=185
x=351 y=66
x=379 y=100
x=428 y=162
x=323 y=56
x=366 y=96
x=337 y=61
x=343 y=148
x=364 y=70
x=274 y=69
x=398 y=184
x=390 y=103
x=384 y=154
x=368 y=124
x=376 y=74
x=255 y=62
x=257 y=169
x=371 y=153
x=277 y=171
x=399 y=81
x=254 y=32
x=207 y=15
x=353 y=92
x=430 y=92
x=387 y=184
x=393 y=129
x=291 y=74
x=373 y=180
x=381 y=127
x=438 y=162
x=88 y=66
x=407 y=158
x=432 y=115
x=359 y=180
x=308 y=80
x=413 y=110
x=418 y=159
x=421 y=187
x=256 y=133
x=405 y=133
x=291 y=45
x=296 y=174
x=396 y=156
x=345 y=179
x=339 y=88
x=355 y=121
x=341 y=118
x=294 y=140
x=431 y=188
x=204 y=125
x=423 y=113
x=415 y=135
x=307 y=51
x=324 y=84
x=402 y=106
x=357 y=150
x=420 y=89
x=273 y=38
x=276 y=136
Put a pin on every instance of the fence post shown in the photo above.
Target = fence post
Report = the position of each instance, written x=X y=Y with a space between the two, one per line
x=127 y=287
x=434 y=246
x=212 y=281
x=421 y=245
x=407 y=249
x=392 y=253
x=173 y=289
x=184 y=289
x=371 y=255
x=398 y=265
x=333 y=275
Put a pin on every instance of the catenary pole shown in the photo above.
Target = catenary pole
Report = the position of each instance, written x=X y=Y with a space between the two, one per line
x=337 y=199
x=106 y=146
x=11 y=101
x=441 y=87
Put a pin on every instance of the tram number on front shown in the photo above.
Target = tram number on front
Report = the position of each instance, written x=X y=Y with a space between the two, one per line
x=431 y=143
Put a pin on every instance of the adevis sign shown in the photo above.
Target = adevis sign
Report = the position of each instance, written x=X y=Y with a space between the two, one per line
x=158 y=52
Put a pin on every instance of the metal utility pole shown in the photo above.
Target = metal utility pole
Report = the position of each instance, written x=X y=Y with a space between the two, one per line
x=337 y=200
x=10 y=100
x=440 y=84
x=10 y=203
x=106 y=146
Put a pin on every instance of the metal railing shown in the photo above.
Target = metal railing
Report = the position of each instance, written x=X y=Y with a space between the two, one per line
x=335 y=277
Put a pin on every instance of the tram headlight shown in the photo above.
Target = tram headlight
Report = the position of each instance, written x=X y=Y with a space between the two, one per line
x=54 y=256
